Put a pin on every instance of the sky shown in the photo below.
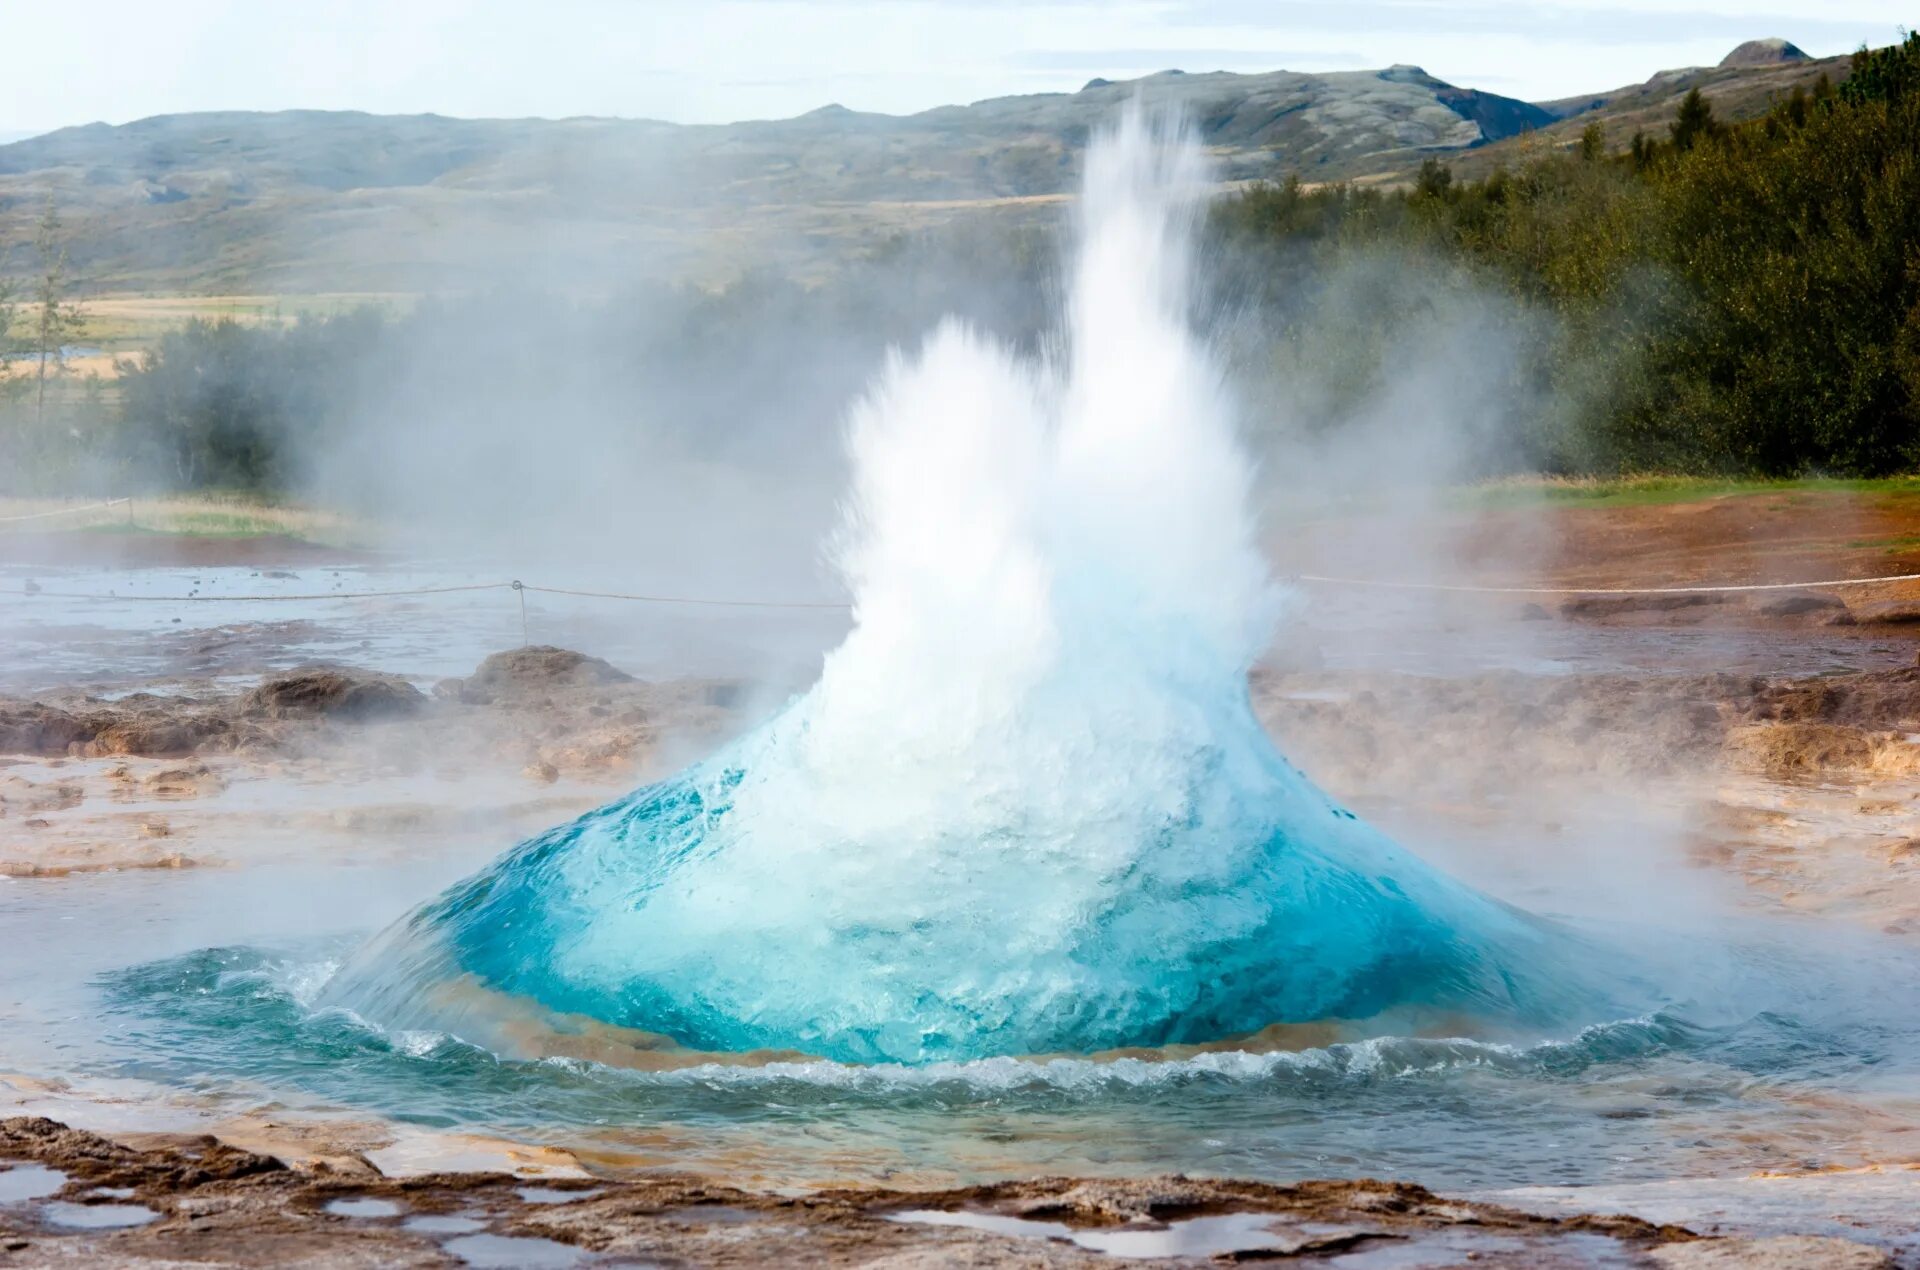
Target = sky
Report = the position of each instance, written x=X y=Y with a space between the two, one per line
x=709 y=61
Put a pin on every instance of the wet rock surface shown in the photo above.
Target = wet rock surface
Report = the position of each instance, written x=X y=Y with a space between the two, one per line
x=215 y=1204
x=1881 y=613
x=138 y=724
x=1516 y=727
x=551 y=710
x=1604 y=606
x=337 y=692
x=535 y=672
x=1800 y=604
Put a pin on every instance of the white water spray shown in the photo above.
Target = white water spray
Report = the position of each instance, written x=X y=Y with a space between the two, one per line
x=1027 y=807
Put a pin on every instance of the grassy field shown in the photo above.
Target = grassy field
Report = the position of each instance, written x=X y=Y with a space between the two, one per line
x=201 y=516
x=122 y=325
x=248 y=515
x=1644 y=491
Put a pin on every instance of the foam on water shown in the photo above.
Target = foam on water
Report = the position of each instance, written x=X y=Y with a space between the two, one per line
x=1676 y=1092
x=1027 y=808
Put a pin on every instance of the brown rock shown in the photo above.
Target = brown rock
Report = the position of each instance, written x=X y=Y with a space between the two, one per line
x=27 y=727
x=1790 y=749
x=182 y=781
x=17 y=795
x=523 y=673
x=1800 y=603
x=1613 y=605
x=1882 y=613
x=155 y=735
x=1781 y=1252
x=334 y=692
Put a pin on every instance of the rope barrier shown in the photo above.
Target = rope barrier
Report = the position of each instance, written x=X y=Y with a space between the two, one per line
x=683 y=599
x=1588 y=590
x=522 y=587
x=64 y=511
x=256 y=599
x=841 y=605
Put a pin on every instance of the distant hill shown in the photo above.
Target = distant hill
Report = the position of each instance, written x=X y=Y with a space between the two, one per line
x=319 y=200
x=1764 y=53
x=1742 y=86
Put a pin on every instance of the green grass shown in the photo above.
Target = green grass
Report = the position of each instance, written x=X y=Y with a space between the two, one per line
x=1645 y=491
x=1899 y=544
x=200 y=516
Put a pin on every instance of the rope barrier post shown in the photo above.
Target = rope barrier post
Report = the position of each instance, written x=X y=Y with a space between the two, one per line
x=521 y=590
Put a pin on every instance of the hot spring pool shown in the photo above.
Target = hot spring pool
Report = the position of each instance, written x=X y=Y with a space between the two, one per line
x=195 y=989
x=1020 y=881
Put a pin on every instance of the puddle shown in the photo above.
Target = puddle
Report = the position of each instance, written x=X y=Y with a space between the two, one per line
x=506 y=1252
x=364 y=1208
x=71 y=1216
x=29 y=1181
x=1458 y=1247
x=710 y=1215
x=432 y=1224
x=547 y=1195
x=111 y=1192
x=1222 y=1235
x=1219 y=1236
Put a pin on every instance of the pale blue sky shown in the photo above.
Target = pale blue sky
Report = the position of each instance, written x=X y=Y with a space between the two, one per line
x=715 y=60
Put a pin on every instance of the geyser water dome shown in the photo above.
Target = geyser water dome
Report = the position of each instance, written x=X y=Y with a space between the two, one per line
x=1027 y=808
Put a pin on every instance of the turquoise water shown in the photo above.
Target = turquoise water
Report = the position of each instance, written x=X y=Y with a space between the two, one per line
x=1263 y=902
x=1026 y=808
x=204 y=987
x=1628 y=1100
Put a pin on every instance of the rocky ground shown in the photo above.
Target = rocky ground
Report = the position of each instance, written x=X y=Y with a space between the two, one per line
x=137 y=781
x=83 y=1199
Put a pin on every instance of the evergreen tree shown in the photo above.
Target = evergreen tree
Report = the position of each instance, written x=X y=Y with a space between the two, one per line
x=56 y=321
x=1593 y=142
x=1695 y=122
x=1886 y=74
x=1641 y=151
x=1435 y=179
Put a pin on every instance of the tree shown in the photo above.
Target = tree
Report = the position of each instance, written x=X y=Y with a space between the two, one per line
x=1593 y=142
x=9 y=309
x=1435 y=179
x=1641 y=151
x=1695 y=122
x=56 y=320
x=1886 y=74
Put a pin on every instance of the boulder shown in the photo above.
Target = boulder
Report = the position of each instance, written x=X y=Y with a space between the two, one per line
x=28 y=727
x=156 y=734
x=1881 y=613
x=1649 y=602
x=539 y=671
x=1799 y=604
x=333 y=692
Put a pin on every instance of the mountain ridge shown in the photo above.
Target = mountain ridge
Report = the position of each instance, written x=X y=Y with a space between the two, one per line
x=348 y=200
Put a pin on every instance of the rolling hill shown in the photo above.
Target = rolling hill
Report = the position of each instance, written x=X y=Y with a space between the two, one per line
x=342 y=201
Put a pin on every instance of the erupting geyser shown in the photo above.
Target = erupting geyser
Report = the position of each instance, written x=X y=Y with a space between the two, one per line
x=1027 y=808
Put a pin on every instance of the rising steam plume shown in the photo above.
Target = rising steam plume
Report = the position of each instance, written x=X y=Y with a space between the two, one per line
x=1027 y=807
